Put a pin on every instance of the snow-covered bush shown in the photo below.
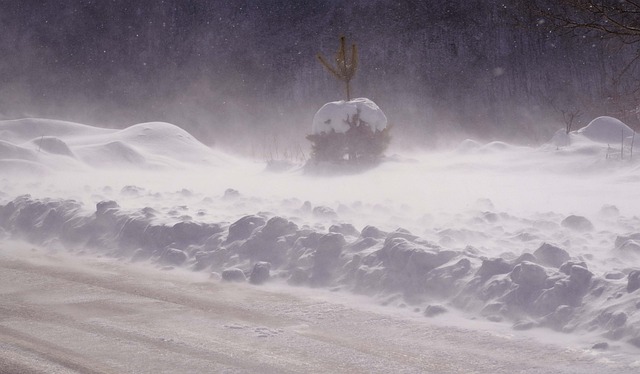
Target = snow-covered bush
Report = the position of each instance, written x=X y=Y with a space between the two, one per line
x=349 y=132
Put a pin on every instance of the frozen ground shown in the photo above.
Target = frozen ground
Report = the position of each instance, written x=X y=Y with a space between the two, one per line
x=520 y=241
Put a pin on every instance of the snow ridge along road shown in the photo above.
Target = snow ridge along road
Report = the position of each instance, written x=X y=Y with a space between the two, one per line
x=62 y=313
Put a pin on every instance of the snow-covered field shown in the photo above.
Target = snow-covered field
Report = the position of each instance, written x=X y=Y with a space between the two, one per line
x=534 y=241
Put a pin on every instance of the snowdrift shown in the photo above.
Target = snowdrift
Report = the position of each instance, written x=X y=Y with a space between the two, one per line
x=604 y=138
x=507 y=234
x=547 y=287
x=606 y=130
x=50 y=144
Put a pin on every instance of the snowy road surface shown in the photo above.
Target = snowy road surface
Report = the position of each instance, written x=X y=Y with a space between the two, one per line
x=71 y=314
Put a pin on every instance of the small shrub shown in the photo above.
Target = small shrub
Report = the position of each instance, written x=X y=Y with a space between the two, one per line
x=359 y=145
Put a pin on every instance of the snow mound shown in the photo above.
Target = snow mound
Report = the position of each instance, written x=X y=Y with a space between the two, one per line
x=23 y=130
x=561 y=139
x=166 y=139
x=152 y=144
x=111 y=154
x=499 y=147
x=334 y=116
x=468 y=145
x=606 y=130
x=17 y=167
x=12 y=151
x=52 y=145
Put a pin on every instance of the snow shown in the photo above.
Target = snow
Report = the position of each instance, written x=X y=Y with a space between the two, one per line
x=606 y=130
x=542 y=238
x=334 y=116
x=147 y=145
x=63 y=310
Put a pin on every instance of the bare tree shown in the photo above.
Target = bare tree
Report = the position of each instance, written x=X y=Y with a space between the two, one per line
x=568 y=107
x=616 y=23
x=569 y=117
x=618 y=19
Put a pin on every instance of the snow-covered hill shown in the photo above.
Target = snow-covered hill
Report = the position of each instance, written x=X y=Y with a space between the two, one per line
x=544 y=237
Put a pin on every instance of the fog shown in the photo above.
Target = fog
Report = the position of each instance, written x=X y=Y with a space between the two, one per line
x=540 y=238
x=172 y=136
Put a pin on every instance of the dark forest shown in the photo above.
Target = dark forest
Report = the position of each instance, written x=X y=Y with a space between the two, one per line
x=237 y=72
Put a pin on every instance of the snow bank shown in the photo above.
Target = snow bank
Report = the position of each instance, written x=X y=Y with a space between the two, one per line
x=334 y=116
x=546 y=287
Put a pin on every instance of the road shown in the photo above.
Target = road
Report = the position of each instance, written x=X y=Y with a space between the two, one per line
x=62 y=313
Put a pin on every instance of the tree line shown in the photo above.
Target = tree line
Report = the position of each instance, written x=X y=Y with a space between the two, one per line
x=487 y=68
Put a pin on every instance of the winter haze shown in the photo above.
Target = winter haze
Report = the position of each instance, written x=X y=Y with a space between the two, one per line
x=158 y=210
x=477 y=68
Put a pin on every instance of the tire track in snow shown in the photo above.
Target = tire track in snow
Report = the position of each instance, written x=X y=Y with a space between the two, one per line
x=215 y=325
x=50 y=352
x=12 y=309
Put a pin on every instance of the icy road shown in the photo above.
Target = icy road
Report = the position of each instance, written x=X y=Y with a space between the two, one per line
x=62 y=313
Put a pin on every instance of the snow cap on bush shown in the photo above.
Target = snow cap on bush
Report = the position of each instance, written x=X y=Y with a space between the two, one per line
x=334 y=116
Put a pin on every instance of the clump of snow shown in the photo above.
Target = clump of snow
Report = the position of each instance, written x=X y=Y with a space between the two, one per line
x=551 y=255
x=233 y=275
x=577 y=223
x=260 y=273
x=634 y=281
x=333 y=116
x=434 y=310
